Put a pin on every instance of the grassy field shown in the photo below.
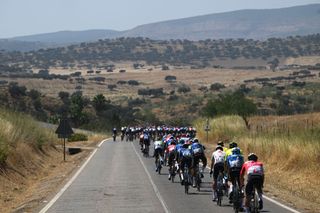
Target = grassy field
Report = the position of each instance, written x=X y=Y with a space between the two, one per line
x=289 y=146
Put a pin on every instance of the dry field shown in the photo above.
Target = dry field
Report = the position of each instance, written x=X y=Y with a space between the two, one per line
x=194 y=78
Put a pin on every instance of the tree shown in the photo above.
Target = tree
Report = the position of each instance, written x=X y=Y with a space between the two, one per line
x=99 y=102
x=16 y=91
x=231 y=104
x=77 y=104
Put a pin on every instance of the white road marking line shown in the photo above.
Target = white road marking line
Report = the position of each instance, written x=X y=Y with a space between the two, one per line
x=152 y=183
x=59 y=194
x=275 y=202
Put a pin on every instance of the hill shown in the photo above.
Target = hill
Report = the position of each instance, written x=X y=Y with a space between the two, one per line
x=246 y=24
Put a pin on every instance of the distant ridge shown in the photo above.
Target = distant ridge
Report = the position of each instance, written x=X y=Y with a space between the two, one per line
x=247 y=24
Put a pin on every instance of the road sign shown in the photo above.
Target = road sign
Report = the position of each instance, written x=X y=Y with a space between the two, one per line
x=64 y=130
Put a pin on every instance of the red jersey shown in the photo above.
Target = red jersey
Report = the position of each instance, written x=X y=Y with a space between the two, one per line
x=171 y=148
x=252 y=168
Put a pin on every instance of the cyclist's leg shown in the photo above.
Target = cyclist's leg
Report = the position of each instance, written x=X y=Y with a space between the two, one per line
x=216 y=170
x=248 y=191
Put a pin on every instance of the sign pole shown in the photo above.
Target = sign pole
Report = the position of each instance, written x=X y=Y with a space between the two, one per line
x=64 y=149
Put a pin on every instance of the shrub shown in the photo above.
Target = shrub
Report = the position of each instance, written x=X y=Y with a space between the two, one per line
x=184 y=89
x=78 y=137
x=121 y=82
x=216 y=86
x=170 y=78
x=133 y=82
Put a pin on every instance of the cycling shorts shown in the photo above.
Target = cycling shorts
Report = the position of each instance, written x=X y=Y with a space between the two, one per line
x=216 y=169
x=254 y=181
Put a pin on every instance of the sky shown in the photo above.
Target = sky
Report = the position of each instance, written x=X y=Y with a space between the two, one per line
x=26 y=17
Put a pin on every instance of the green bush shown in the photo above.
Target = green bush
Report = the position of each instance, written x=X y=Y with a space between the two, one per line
x=78 y=137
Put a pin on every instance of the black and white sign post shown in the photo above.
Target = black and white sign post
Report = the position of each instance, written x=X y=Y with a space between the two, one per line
x=207 y=129
x=64 y=130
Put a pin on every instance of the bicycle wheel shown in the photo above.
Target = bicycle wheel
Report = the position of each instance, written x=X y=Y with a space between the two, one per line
x=186 y=181
x=236 y=197
x=256 y=200
x=219 y=189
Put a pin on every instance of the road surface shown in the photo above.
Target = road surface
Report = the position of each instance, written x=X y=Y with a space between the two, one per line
x=119 y=179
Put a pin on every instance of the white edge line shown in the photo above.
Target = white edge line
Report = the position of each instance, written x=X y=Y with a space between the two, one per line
x=276 y=202
x=59 y=194
x=152 y=183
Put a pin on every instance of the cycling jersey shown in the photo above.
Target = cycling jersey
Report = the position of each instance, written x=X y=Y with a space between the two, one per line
x=171 y=148
x=186 y=153
x=252 y=168
x=179 y=147
x=229 y=152
x=235 y=162
x=218 y=156
x=158 y=145
x=197 y=149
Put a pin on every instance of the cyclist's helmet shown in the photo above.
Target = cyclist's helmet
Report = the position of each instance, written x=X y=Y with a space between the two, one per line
x=195 y=140
x=232 y=145
x=181 y=141
x=236 y=151
x=252 y=157
x=220 y=143
x=219 y=147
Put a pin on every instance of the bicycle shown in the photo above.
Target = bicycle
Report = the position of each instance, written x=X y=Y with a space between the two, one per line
x=236 y=196
x=145 y=150
x=197 y=177
x=186 y=179
x=158 y=163
x=114 y=137
x=220 y=188
x=173 y=170
x=254 y=201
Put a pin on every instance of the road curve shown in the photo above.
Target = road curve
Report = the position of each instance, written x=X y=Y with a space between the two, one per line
x=119 y=179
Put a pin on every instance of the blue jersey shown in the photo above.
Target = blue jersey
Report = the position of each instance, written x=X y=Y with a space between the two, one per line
x=235 y=161
x=179 y=147
x=197 y=148
x=186 y=153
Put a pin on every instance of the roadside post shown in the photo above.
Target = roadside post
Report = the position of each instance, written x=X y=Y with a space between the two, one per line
x=64 y=130
x=207 y=129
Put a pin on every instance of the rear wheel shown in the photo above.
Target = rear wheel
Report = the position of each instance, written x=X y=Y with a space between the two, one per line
x=186 y=181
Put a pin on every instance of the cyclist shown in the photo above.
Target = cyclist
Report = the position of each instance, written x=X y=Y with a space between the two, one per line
x=198 y=153
x=217 y=165
x=255 y=177
x=114 y=133
x=171 y=154
x=221 y=143
x=234 y=164
x=158 y=152
x=185 y=159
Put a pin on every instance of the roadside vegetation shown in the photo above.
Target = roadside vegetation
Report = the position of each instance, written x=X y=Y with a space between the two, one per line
x=287 y=145
x=17 y=129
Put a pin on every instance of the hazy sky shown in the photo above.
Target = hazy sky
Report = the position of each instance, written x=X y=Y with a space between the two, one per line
x=25 y=17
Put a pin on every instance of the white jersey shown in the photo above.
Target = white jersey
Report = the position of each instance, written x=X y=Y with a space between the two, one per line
x=158 y=144
x=218 y=156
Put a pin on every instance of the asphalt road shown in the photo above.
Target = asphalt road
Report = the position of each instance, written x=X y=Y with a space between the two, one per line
x=119 y=179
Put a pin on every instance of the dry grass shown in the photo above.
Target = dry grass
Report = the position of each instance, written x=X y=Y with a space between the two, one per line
x=152 y=79
x=289 y=147
x=32 y=173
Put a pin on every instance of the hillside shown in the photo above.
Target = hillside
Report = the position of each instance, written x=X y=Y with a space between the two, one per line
x=246 y=24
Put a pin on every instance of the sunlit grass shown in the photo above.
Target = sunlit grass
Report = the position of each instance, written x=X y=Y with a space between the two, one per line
x=289 y=146
x=17 y=128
